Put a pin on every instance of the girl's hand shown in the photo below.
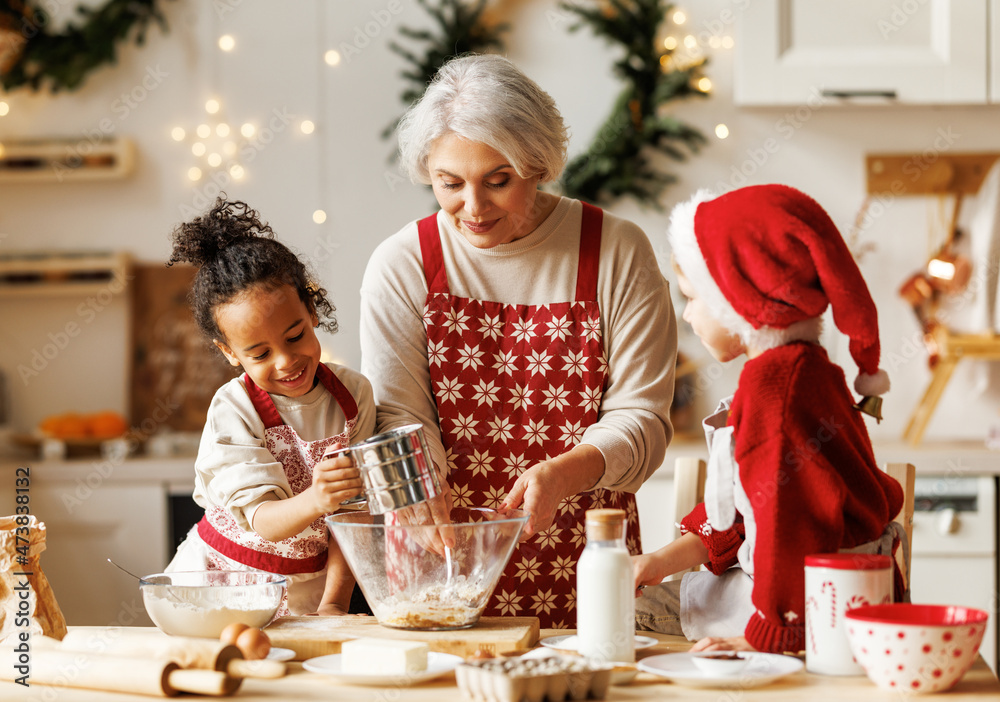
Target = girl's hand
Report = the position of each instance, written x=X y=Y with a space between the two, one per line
x=335 y=480
x=716 y=643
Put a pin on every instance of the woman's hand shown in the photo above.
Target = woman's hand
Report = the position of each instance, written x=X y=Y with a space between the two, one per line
x=716 y=643
x=436 y=510
x=541 y=488
x=335 y=480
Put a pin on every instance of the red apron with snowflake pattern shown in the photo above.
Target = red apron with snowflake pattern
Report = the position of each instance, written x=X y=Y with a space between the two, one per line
x=306 y=552
x=516 y=385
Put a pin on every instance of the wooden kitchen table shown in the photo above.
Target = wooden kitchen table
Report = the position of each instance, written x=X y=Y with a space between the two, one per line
x=978 y=684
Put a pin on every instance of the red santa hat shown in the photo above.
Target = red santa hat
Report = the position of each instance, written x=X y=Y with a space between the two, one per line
x=768 y=260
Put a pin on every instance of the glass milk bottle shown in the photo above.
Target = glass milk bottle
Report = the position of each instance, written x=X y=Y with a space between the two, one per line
x=605 y=590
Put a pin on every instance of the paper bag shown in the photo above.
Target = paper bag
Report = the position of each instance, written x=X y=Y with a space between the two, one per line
x=27 y=603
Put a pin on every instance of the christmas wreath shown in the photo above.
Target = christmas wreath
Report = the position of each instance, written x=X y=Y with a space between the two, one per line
x=621 y=160
x=31 y=55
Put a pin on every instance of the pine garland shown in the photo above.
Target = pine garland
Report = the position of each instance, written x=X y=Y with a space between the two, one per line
x=619 y=162
x=461 y=29
x=35 y=56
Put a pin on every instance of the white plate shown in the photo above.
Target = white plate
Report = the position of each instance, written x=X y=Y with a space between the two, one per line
x=761 y=669
x=569 y=643
x=281 y=654
x=437 y=664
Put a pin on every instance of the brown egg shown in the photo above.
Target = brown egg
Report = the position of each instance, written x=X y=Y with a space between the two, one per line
x=254 y=644
x=232 y=632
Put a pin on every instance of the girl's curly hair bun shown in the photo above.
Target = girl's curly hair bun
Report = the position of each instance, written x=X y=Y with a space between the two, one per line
x=235 y=251
x=200 y=240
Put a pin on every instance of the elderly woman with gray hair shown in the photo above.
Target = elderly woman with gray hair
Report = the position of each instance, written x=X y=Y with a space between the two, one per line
x=532 y=335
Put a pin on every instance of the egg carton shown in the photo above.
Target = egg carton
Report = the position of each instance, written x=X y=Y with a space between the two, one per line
x=554 y=678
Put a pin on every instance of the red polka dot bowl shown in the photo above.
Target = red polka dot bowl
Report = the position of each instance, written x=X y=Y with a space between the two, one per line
x=915 y=647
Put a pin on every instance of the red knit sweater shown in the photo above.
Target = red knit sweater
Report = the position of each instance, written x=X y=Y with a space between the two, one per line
x=807 y=467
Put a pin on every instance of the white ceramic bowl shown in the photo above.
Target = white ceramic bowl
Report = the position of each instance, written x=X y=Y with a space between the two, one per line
x=915 y=648
x=719 y=662
x=203 y=603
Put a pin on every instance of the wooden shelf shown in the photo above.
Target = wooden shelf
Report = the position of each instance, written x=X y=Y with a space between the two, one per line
x=62 y=160
x=34 y=274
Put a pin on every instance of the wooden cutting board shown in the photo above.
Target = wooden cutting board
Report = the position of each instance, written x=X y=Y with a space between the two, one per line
x=318 y=636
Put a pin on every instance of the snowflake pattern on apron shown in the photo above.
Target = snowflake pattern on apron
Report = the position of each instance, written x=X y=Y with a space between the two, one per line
x=516 y=385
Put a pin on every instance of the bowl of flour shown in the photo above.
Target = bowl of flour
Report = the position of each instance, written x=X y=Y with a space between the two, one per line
x=203 y=603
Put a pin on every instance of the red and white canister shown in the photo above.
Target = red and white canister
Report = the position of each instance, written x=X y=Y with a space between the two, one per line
x=835 y=584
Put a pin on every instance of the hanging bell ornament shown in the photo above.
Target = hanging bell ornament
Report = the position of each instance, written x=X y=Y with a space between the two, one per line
x=872 y=406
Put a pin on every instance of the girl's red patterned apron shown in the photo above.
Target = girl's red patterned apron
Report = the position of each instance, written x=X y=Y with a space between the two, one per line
x=516 y=385
x=306 y=552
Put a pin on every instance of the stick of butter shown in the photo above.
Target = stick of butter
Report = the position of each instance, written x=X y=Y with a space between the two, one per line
x=383 y=656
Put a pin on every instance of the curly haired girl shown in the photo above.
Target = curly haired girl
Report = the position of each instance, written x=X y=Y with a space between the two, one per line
x=261 y=471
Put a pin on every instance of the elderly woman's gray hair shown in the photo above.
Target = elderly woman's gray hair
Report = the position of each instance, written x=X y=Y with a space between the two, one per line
x=486 y=99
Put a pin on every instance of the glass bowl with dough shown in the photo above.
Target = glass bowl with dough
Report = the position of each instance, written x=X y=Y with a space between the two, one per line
x=416 y=574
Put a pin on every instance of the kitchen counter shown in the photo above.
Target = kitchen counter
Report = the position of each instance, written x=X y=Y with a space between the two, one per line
x=978 y=684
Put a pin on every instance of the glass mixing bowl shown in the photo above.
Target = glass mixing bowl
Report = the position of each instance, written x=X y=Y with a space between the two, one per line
x=413 y=580
x=203 y=603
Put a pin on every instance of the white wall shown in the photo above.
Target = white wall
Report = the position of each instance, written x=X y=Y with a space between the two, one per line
x=276 y=77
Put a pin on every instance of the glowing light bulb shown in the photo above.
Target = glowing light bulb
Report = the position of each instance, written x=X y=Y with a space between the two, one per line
x=227 y=42
x=178 y=133
x=332 y=57
x=679 y=17
x=319 y=216
x=704 y=85
x=214 y=160
x=248 y=130
x=714 y=41
x=236 y=171
x=721 y=131
x=212 y=106
x=222 y=130
x=670 y=43
x=194 y=173
x=229 y=148
x=307 y=126
x=4 y=108
x=727 y=42
x=664 y=61
x=690 y=41
x=198 y=149
x=204 y=131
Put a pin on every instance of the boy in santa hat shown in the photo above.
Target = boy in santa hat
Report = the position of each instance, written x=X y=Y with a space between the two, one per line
x=791 y=470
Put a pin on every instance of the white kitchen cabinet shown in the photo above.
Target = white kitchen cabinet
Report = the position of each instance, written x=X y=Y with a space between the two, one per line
x=891 y=51
x=95 y=510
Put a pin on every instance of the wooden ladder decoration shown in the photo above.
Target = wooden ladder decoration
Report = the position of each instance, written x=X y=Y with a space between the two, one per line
x=957 y=174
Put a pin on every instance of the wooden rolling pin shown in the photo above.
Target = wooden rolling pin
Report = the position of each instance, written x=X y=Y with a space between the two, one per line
x=187 y=652
x=159 y=678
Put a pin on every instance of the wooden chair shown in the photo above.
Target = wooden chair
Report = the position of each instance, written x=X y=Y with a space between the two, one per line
x=689 y=489
x=905 y=475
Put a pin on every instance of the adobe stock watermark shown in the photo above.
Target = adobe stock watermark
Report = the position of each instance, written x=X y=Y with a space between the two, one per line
x=60 y=340
x=87 y=485
x=899 y=15
x=363 y=35
x=913 y=168
x=122 y=107
x=219 y=180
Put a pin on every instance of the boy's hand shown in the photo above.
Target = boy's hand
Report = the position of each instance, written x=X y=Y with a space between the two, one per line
x=647 y=571
x=716 y=643
x=335 y=480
